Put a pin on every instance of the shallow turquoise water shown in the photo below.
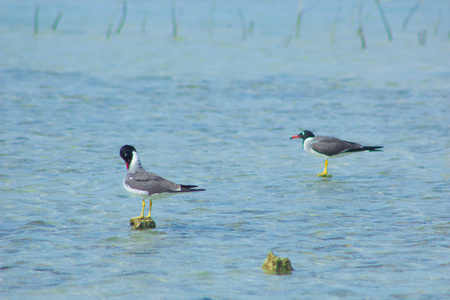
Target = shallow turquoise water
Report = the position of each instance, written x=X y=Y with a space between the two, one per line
x=211 y=109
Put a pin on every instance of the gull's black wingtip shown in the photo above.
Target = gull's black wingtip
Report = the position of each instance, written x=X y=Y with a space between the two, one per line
x=190 y=188
x=365 y=148
x=373 y=148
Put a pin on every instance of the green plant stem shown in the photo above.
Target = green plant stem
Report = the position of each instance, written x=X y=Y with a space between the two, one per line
x=411 y=13
x=56 y=22
x=36 y=19
x=385 y=22
x=174 y=20
x=299 y=19
x=122 y=18
x=244 y=29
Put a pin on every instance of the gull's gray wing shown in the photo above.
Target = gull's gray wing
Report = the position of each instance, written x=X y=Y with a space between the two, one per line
x=332 y=146
x=151 y=183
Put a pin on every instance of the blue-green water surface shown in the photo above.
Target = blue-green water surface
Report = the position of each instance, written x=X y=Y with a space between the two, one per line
x=215 y=106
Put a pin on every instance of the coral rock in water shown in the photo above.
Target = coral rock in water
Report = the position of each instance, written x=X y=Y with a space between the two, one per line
x=143 y=223
x=277 y=265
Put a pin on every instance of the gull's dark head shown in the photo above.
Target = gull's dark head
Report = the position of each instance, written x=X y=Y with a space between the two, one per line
x=303 y=135
x=126 y=152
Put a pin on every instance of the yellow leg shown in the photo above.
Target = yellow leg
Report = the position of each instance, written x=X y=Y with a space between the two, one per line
x=142 y=212
x=150 y=210
x=325 y=174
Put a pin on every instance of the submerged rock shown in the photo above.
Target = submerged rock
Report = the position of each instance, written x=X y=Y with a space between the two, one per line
x=142 y=223
x=277 y=265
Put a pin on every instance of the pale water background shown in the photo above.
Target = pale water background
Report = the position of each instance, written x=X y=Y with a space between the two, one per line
x=215 y=108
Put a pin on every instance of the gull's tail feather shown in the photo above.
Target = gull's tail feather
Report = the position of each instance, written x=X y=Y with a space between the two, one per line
x=366 y=148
